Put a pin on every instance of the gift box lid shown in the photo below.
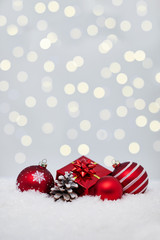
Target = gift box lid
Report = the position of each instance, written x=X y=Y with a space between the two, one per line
x=89 y=179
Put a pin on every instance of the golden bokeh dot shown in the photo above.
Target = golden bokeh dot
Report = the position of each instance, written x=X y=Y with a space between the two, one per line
x=32 y=56
x=49 y=66
x=121 y=111
x=75 y=33
x=147 y=63
x=18 y=52
x=53 y=6
x=141 y=8
x=156 y=146
x=101 y=134
x=119 y=134
x=20 y=157
x=129 y=56
x=127 y=91
x=71 y=66
x=42 y=25
x=52 y=36
x=98 y=10
x=30 y=101
x=17 y=5
x=78 y=60
x=139 y=104
x=45 y=43
x=69 y=11
x=125 y=26
x=99 y=92
x=73 y=106
x=9 y=129
x=3 y=20
x=138 y=83
x=51 y=101
x=22 y=20
x=122 y=78
x=92 y=30
x=110 y=23
x=146 y=25
x=12 y=30
x=113 y=38
x=82 y=87
x=13 y=116
x=26 y=140
x=40 y=7
x=115 y=67
x=5 y=65
x=69 y=89
x=47 y=128
x=108 y=160
x=117 y=3
x=4 y=86
x=65 y=150
x=21 y=120
x=154 y=107
x=154 y=126
x=46 y=84
x=139 y=55
x=105 y=114
x=106 y=73
x=158 y=101
x=105 y=46
x=141 y=121
x=72 y=134
x=22 y=76
x=134 y=147
x=85 y=125
x=157 y=77
x=83 y=149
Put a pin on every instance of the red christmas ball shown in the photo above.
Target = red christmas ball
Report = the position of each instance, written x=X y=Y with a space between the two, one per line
x=35 y=177
x=108 y=188
x=132 y=176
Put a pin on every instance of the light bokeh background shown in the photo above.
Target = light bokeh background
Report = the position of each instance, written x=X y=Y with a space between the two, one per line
x=79 y=78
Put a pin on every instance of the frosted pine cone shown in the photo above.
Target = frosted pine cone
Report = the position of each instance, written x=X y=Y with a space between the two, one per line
x=64 y=188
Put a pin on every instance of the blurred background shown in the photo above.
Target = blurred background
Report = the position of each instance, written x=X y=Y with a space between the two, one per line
x=79 y=78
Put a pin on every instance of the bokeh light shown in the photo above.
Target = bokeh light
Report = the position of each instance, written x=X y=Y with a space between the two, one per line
x=65 y=150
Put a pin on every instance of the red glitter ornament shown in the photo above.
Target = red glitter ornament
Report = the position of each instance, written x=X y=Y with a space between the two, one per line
x=109 y=188
x=132 y=176
x=35 y=177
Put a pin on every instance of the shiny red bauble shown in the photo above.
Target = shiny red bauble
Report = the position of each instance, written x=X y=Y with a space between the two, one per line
x=132 y=176
x=108 y=188
x=35 y=177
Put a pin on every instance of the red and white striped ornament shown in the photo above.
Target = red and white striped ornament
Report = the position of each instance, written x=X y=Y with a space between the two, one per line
x=132 y=176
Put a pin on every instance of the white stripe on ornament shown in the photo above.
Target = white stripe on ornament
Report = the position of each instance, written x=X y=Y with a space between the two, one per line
x=135 y=180
x=140 y=185
x=143 y=189
x=134 y=169
x=129 y=164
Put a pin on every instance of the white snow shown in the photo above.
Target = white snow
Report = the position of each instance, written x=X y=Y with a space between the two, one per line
x=34 y=216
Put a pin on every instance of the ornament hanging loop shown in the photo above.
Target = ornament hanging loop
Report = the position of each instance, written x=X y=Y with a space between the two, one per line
x=115 y=163
x=43 y=163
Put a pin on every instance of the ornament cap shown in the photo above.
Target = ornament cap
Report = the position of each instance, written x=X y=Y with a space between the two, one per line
x=43 y=163
x=115 y=163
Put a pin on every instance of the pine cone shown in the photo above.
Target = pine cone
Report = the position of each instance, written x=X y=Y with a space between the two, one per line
x=64 y=188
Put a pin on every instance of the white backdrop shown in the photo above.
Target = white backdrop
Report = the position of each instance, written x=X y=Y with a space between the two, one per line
x=79 y=78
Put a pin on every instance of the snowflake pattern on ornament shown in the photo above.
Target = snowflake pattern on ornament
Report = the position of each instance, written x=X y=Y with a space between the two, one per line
x=38 y=177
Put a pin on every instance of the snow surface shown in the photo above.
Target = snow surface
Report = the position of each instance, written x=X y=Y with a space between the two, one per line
x=34 y=216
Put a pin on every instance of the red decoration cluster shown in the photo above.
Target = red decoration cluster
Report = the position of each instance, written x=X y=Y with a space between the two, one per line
x=92 y=178
x=83 y=167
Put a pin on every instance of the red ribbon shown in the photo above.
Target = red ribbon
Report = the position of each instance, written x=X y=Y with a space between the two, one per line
x=83 y=167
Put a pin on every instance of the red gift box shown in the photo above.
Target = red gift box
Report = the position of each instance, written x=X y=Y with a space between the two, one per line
x=86 y=173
